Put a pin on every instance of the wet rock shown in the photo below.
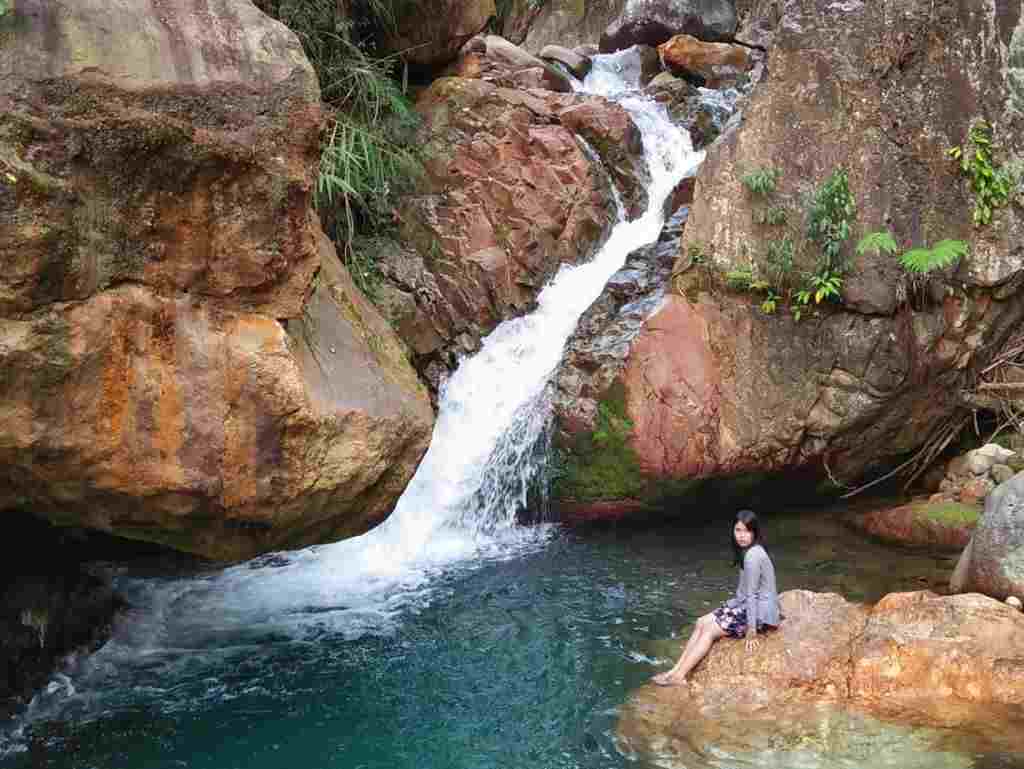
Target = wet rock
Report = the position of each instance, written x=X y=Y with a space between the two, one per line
x=702 y=111
x=509 y=195
x=652 y=22
x=995 y=565
x=913 y=659
x=578 y=65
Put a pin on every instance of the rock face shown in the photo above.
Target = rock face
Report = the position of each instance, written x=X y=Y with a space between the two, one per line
x=914 y=659
x=431 y=35
x=170 y=369
x=995 y=563
x=713 y=386
x=508 y=196
x=652 y=22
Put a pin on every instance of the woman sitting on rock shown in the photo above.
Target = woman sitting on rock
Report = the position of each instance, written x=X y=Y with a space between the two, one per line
x=755 y=607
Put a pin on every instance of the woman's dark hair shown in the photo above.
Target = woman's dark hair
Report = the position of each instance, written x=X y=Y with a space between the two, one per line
x=749 y=519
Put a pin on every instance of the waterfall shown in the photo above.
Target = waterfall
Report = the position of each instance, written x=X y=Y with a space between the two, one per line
x=459 y=508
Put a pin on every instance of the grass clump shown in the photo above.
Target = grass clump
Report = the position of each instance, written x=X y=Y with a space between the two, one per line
x=367 y=155
x=948 y=513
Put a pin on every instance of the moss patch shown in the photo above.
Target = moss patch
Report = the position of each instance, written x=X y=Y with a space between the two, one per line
x=601 y=465
x=948 y=513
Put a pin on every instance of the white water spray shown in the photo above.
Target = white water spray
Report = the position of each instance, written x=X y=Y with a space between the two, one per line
x=461 y=505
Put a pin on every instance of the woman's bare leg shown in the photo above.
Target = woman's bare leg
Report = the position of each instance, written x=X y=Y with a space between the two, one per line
x=703 y=637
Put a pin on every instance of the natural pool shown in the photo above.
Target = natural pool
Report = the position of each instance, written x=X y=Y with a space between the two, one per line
x=517 y=662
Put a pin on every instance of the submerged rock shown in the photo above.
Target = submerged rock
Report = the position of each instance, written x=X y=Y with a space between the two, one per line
x=943 y=524
x=182 y=357
x=835 y=673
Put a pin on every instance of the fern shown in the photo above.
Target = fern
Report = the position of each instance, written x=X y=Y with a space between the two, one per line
x=881 y=241
x=943 y=254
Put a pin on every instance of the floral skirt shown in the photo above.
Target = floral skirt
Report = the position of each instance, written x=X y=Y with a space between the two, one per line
x=734 y=621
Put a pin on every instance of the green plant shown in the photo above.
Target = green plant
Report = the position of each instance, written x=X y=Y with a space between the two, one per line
x=991 y=184
x=761 y=181
x=779 y=259
x=367 y=155
x=773 y=215
x=917 y=260
x=942 y=254
x=830 y=221
x=879 y=242
x=6 y=6
x=696 y=253
x=826 y=285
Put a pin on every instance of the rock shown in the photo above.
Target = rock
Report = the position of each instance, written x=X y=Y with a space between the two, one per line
x=716 y=65
x=616 y=139
x=560 y=22
x=1015 y=602
x=1001 y=473
x=578 y=65
x=914 y=659
x=652 y=22
x=169 y=368
x=892 y=150
x=958 y=580
x=508 y=196
x=980 y=463
x=996 y=565
x=702 y=111
x=996 y=452
x=503 y=63
x=974 y=491
x=133 y=168
x=432 y=36
x=714 y=386
x=943 y=525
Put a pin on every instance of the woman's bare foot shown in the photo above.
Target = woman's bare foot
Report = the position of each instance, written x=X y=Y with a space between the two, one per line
x=669 y=679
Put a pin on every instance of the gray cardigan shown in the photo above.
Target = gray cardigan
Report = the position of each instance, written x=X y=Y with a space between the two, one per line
x=756 y=590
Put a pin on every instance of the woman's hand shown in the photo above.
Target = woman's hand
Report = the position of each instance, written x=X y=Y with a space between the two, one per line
x=752 y=641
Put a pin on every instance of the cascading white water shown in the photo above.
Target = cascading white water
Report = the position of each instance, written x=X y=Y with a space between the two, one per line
x=461 y=504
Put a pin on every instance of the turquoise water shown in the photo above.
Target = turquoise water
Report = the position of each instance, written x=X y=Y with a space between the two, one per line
x=522 y=662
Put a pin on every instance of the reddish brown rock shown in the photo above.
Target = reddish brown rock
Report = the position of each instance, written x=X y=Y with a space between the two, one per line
x=717 y=64
x=169 y=368
x=913 y=659
x=946 y=525
x=509 y=195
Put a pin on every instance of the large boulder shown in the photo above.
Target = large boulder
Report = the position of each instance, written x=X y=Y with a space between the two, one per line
x=429 y=35
x=652 y=22
x=182 y=357
x=508 y=196
x=836 y=675
x=994 y=564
